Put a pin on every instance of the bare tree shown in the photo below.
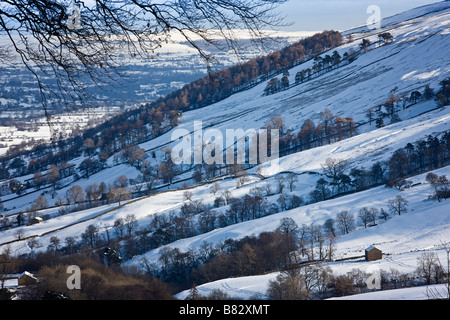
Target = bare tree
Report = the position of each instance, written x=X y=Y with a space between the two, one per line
x=130 y=223
x=429 y=267
x=38 y=179
x=89 y=41
x=166 y=171
x=121 y=182
x=368 y=216
x=187 y=195
x=40 y=203
x=53 y=175
x=93 y=193
x=54 y=244
x=292 y=178
x=329 y=226
x=226 y=194
x=118 y=194
x=91 y=235
x=440 y=185
x=398 y=205
x=289 y=285
x=75 y=195
x=241 y=178
x=334 y=167
x=345 y=221
x=280 y=183
x=70 y=244
x=435 y=293
x=215 y=188
x=19 y=234
x=119 y=227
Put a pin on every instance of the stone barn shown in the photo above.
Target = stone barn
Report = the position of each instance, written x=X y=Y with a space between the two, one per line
x=35 y=220
x=26 y=279
x=372 y=253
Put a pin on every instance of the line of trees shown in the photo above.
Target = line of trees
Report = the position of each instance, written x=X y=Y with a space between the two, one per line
x=321 y=65
x=195 y=217
x=251 y=255
x=396 y=102
x=329 y=129
x=422 y=156
x=75 y=199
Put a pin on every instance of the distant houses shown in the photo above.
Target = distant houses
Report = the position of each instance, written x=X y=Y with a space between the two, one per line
x=372 y=253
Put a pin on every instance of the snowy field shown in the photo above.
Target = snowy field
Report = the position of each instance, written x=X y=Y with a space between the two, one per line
x=247 y=288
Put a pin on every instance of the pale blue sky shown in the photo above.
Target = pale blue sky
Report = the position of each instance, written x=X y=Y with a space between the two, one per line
x=316 y=15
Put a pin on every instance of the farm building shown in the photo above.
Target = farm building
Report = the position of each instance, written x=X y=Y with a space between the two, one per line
x=372 y=253
x=26 y=279
x=35 y=220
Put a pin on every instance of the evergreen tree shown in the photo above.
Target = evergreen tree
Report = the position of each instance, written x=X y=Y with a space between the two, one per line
x=365 y=43
x=285 y=82
x=428 y=93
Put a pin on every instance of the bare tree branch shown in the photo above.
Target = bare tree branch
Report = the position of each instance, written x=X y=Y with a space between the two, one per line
x=110 y=32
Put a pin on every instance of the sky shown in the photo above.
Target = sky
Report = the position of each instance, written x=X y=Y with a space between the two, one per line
x=317 y=15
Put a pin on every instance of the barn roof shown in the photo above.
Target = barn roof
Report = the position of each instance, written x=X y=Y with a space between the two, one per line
x=371 y=247
x=26 y=273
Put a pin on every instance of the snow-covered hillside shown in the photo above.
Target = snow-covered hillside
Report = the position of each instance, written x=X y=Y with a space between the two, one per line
x=402 y=239
x=418 y=56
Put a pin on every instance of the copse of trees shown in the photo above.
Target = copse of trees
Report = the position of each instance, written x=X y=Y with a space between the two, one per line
x=443 y=95
x=398 y=205
x=398 y=101
x=440 y=184
x=418 y=157
x=421 y=156
x=386 y=37
x=321 y=65
x=328 y=129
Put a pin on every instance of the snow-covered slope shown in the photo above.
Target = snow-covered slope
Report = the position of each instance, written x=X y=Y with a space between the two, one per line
x=418 y=56
x=427 y=225
x=255 y=287
x=402 y=239
x=362 y=149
